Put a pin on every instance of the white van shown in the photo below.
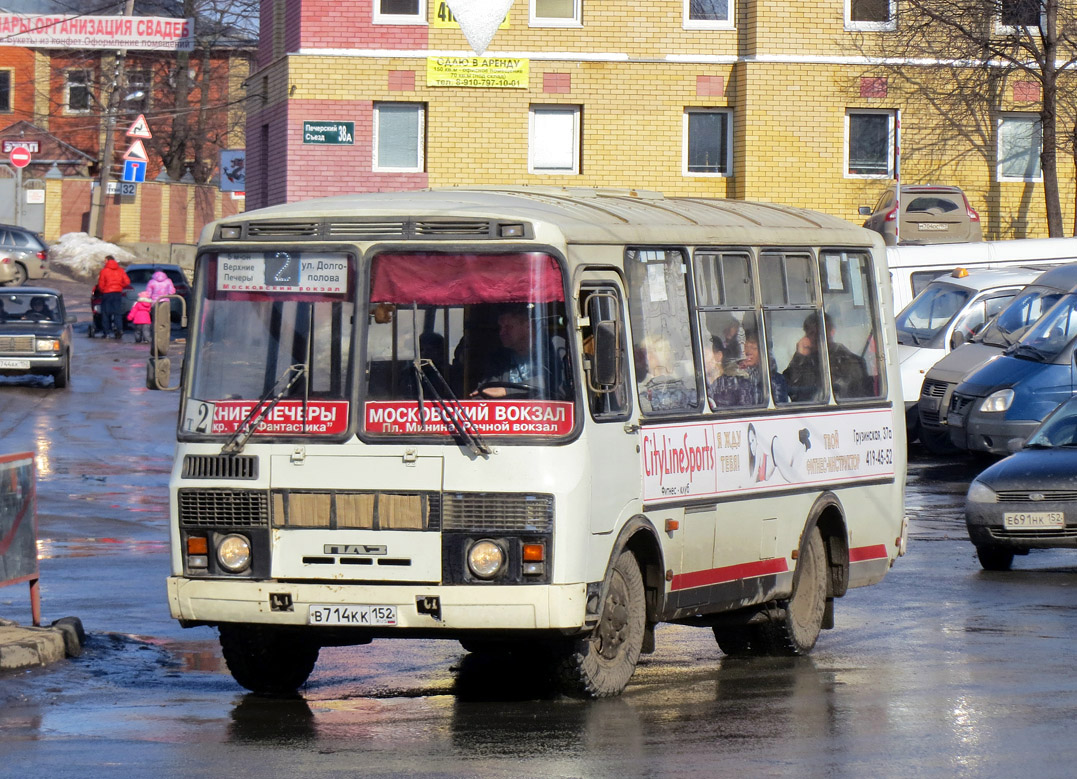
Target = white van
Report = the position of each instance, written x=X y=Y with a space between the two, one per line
x=913 y=267
x=947 y=313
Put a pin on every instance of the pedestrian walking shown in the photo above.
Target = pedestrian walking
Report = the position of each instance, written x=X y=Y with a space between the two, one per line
x=140 y=317
x=112 y=281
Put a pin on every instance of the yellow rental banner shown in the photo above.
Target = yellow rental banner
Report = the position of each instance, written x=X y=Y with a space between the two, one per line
x=496 y=72
x=443 y=17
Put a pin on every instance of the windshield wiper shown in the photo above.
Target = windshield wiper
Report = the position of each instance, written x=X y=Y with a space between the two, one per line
x=261 y=409
x=1027 y=350
x=452 y=411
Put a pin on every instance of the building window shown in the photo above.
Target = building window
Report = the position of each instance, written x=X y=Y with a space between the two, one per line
x=77 y=87
x=137 y=98
x=5 y=91
x=554 y=140
x=399 y=137
x=399 y=12
x=1020 y=141
x=706 y=147
x=870 y=15
x=708 y=14
x=555 y=13
x=1015 y=14
x=869 y=144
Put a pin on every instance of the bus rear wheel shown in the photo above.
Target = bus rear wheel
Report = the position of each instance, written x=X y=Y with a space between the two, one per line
x=266 y=661
x=600 y=665
x=739 y=640
x=796 y=631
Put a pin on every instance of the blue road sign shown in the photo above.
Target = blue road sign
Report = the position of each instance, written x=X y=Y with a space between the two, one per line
x=133 y=170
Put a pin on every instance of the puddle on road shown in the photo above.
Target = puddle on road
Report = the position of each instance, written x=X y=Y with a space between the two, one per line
x=51 y=548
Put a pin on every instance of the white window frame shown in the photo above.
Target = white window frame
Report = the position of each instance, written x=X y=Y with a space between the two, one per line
x=1035 y=119
x=1008 y=29
x=67 y=91
x=728 y=145
x=890 y=145
x=416 y=18
x=420 y=156
x=534 y=20
x=887 y=26
x=575 y=111
x=707 y=24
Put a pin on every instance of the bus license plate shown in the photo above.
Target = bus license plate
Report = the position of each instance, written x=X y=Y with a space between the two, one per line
x=1027 y=520
x=17 y=365
x=358 y=616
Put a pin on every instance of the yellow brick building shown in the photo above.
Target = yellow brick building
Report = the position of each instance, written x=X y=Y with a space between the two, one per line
x=749 y=100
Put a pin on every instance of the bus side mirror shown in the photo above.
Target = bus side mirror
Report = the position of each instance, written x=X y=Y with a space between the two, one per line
x=606 y=362
x=159 y=367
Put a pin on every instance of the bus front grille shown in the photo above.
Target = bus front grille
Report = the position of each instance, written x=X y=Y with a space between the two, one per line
x=337 y=510
x=212 y=466
x=497 y=511
x=223 y=508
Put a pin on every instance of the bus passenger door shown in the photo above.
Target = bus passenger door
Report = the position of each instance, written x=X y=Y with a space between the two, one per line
x=611 y=440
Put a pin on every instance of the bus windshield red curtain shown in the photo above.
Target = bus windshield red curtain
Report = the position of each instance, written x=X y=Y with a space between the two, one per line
x=436 y=279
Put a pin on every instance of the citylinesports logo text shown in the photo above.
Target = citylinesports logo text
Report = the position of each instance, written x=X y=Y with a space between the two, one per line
x=486 y=417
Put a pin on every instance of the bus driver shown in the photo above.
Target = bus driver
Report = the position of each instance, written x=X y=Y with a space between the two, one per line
x=514 y=369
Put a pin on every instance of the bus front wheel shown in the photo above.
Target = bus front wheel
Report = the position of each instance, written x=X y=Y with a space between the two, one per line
x=266 y=661
x=600 y=665
x=796 y=631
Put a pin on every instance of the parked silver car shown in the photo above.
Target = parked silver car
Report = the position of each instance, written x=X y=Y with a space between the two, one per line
x=929 y=214
x=23 y=255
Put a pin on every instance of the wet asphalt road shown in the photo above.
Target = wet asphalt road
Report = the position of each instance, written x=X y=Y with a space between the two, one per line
x=942 y=669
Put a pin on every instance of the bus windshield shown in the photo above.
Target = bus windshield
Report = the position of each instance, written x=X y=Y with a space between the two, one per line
x=930 y=312
x=480 y=336
x=274 y=327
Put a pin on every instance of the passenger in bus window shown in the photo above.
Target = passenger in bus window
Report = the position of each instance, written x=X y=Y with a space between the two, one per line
x=662 y=387
x=728 y=384
x=517 y=369
x=804 y=374
x=848 y=372
x=730 y=334
x=752 y=363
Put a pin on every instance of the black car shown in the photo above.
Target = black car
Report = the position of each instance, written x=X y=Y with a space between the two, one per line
x=1029 y=500
x=35 y=334
x=140 y=275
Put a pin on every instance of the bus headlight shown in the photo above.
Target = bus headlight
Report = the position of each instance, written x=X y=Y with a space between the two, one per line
x=234 y=553
x=485 y=559
x=997 y=401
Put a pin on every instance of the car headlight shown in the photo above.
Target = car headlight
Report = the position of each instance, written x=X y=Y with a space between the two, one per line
x=997 y=401
x=234 y=553
x=485 y=559
x=47 y=345
x=980 y=493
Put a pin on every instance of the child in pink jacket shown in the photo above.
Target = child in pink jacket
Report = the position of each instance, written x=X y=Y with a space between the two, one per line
x=140 y=317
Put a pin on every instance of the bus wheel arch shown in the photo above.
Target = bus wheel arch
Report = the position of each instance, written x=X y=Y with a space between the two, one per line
x=828 y=515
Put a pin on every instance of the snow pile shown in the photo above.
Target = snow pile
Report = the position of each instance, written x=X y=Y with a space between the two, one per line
x=479 y=20
x=81 y=256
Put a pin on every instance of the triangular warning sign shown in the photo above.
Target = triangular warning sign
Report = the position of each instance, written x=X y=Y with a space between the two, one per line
x=136 y=151
x=140 y=128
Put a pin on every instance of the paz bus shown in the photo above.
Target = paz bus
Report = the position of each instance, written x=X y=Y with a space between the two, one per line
x=534 y=420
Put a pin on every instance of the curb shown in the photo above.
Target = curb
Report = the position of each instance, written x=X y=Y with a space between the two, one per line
x=31 y=647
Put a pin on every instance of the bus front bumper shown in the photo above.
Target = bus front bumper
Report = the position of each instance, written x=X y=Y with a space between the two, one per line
x=418 y=607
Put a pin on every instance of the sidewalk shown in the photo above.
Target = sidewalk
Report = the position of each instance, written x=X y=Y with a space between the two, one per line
x=29 y=647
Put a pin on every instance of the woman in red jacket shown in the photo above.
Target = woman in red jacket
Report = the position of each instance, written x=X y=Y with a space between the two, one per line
x=112 y=281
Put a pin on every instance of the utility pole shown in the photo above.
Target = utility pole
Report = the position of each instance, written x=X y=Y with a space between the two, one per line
x=99 y=198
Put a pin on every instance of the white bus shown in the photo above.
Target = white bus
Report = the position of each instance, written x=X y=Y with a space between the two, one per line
x=534 y=420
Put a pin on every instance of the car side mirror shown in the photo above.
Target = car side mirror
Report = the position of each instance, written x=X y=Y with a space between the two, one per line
x=864 y=210
x=1015 y=445
x=606 y=361
x=956 y=339
x=71 y=319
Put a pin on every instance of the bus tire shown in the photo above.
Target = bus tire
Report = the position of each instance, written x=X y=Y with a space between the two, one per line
x=600 y=665
x=267 y=662
x=739 y=640
x=993 y=558
x=796 y=631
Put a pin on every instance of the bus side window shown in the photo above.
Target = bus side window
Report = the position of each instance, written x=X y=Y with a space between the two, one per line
x=604 y=354
x=852 y=325
x=793 y=323
x=662 y=350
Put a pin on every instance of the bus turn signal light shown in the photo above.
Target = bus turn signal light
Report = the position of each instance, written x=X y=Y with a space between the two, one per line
x=197 y=545
x=534 y=553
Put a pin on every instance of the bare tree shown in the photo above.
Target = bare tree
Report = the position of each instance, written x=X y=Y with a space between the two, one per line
x=958 y=56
